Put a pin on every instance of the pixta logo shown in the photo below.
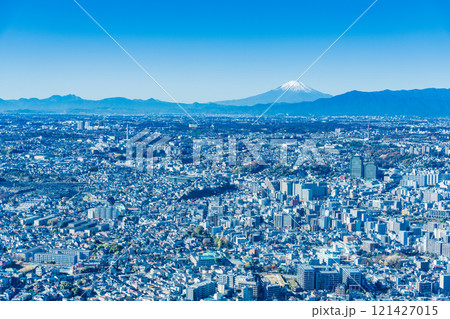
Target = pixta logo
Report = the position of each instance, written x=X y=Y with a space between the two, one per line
x=141 y=149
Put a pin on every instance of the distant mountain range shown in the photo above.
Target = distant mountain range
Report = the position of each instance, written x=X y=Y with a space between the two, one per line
x=74 y=104
x=295 y=92
x=425 y=103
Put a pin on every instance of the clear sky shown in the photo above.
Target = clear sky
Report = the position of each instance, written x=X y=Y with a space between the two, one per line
x=215 y=50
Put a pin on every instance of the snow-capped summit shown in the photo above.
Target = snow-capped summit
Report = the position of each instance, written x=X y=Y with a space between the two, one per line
x=295 y=92
x=295 y=87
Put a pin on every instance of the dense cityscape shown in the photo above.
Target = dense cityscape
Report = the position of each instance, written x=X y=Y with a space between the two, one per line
x=284 y=208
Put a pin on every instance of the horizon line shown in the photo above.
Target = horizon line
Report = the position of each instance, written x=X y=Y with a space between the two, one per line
x=210 y=102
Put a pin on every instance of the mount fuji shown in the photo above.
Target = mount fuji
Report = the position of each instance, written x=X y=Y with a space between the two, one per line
x=295 y=92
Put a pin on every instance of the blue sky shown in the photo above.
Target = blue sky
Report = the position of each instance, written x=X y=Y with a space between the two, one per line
x=214 y=50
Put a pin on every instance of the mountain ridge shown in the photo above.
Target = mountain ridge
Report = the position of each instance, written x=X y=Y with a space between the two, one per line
x=289 y=92
x=432 y=102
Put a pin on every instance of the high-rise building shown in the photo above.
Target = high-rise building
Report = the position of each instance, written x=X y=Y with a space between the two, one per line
x=287 y=187
x=370 y=171
x=306 y=277
x=318 y=277
x=444 y=283
x=309 y=191
x=403 y=237
x=351 y=277
x=246 y=281
x=421 y=179
x=356 y=167
x=381 y=228
x=80 y=125
x=283 y=221
x=247 y=293
x=327 y=279
x=325 y=222
x=200 y=290
x=424 y=287
x=107 y=212
x=273 y=292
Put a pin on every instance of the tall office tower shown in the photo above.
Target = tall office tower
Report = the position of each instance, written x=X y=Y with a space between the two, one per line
x=247 y=293
x=287 y=187
x=370 y=171
x=306 y=277
x=278 y=220
x=283 y=220
x=356 y=167
x=79 y=125
x=444 y=283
